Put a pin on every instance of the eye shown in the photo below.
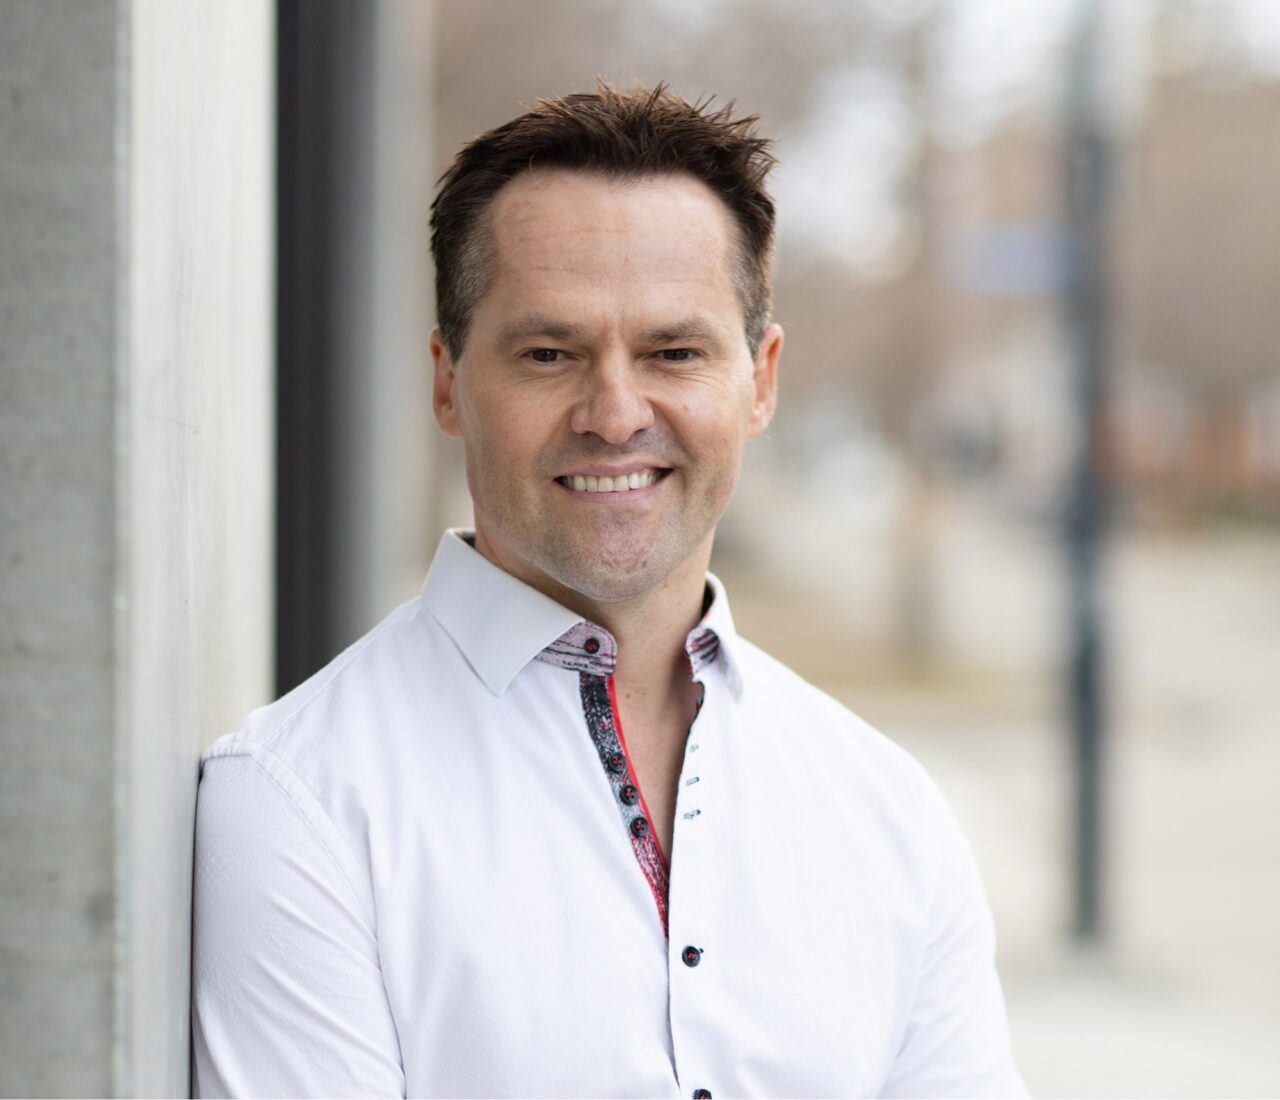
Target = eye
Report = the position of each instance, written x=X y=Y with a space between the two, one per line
x=544 y=355
x=677 y=355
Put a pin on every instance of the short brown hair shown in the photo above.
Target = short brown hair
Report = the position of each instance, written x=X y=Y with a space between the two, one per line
x=633 y=134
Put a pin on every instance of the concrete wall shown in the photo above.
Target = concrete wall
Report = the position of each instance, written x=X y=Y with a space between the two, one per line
x=59 y=191
x=136 y=405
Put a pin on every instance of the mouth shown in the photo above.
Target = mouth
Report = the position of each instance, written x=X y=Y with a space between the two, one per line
x=617 y=485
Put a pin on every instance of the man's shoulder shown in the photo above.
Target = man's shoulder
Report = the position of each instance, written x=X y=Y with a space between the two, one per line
x=339 y=697
x=828 y=725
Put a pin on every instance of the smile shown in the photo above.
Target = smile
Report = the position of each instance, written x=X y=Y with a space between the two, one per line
x=618 y=484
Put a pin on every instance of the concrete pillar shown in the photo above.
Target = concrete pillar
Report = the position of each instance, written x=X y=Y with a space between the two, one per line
x=136 y=410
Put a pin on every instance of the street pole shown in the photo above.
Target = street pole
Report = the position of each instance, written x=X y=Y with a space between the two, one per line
x=1086 y=304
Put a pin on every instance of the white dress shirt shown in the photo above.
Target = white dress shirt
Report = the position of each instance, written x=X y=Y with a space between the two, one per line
x=429 y=871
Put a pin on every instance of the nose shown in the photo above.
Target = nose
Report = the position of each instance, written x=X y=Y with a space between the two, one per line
x=614 y=405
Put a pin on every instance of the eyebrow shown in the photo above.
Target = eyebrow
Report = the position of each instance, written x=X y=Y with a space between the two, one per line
x=537 y=324
x=693 y=329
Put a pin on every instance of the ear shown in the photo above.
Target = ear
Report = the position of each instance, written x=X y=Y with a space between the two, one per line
x=765 y=381
x=444 y=389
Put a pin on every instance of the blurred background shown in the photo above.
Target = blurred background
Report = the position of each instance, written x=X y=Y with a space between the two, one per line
x=1019 y=505
x=1019 y=508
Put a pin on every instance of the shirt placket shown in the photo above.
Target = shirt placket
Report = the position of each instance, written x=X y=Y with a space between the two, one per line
x=600 y=706
x=592 y=652
x=693 y=960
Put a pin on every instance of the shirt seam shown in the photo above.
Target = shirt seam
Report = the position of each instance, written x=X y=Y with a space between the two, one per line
x=411 y=611
x=254 y=754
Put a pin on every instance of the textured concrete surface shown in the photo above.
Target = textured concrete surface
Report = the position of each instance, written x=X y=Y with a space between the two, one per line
x=197 y=468
x=59 y=331
x=135 y=475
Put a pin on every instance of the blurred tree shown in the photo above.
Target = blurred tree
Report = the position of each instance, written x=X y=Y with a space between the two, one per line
x=1200 y=250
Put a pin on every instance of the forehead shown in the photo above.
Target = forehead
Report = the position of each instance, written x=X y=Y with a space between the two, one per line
x=629 y=244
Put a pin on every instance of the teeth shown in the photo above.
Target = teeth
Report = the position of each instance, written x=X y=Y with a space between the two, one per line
x=623 y=483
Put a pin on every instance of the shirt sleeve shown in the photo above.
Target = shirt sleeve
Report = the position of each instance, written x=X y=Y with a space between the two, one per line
x=287 y=992
x=956 y=1041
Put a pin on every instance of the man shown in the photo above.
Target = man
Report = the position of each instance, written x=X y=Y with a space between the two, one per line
x=554 y=828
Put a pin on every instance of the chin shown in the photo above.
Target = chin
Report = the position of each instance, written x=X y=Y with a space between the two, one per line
x=610 y=574
x=602 y=584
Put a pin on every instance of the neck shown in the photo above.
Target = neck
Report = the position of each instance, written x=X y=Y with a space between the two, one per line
x=649 y=628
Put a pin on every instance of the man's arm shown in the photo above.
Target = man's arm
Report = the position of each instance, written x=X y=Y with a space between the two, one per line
x=287 y=993
x=957 y=1036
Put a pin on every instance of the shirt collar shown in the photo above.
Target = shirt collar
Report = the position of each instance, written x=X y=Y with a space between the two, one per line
x=716 y=634
x=501 y=624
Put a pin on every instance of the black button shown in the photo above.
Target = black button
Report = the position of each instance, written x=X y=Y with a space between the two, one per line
x=617 y=762
x=639 y=826
x=592 y=645
x=701 y=1094
x=629 y=794
x=691 y=955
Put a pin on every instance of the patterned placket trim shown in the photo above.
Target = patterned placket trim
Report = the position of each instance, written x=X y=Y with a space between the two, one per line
x=583 y=648
x=592 y=652
x=702 y=649
x=599 y=706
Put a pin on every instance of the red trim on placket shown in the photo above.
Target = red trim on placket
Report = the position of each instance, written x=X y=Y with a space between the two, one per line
x=635 y=775
x=600 y=708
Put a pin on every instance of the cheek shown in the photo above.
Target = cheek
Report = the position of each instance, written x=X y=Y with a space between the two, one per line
x=484 y=446
x=715 y=430
x=504 y=436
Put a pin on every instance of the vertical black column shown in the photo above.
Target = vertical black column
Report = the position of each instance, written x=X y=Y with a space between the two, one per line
x=327 y=255
x=309 y=142
x=303 y=344
x=1087 y=186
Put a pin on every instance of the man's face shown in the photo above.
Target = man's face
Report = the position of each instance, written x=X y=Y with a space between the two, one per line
x=610 y=346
